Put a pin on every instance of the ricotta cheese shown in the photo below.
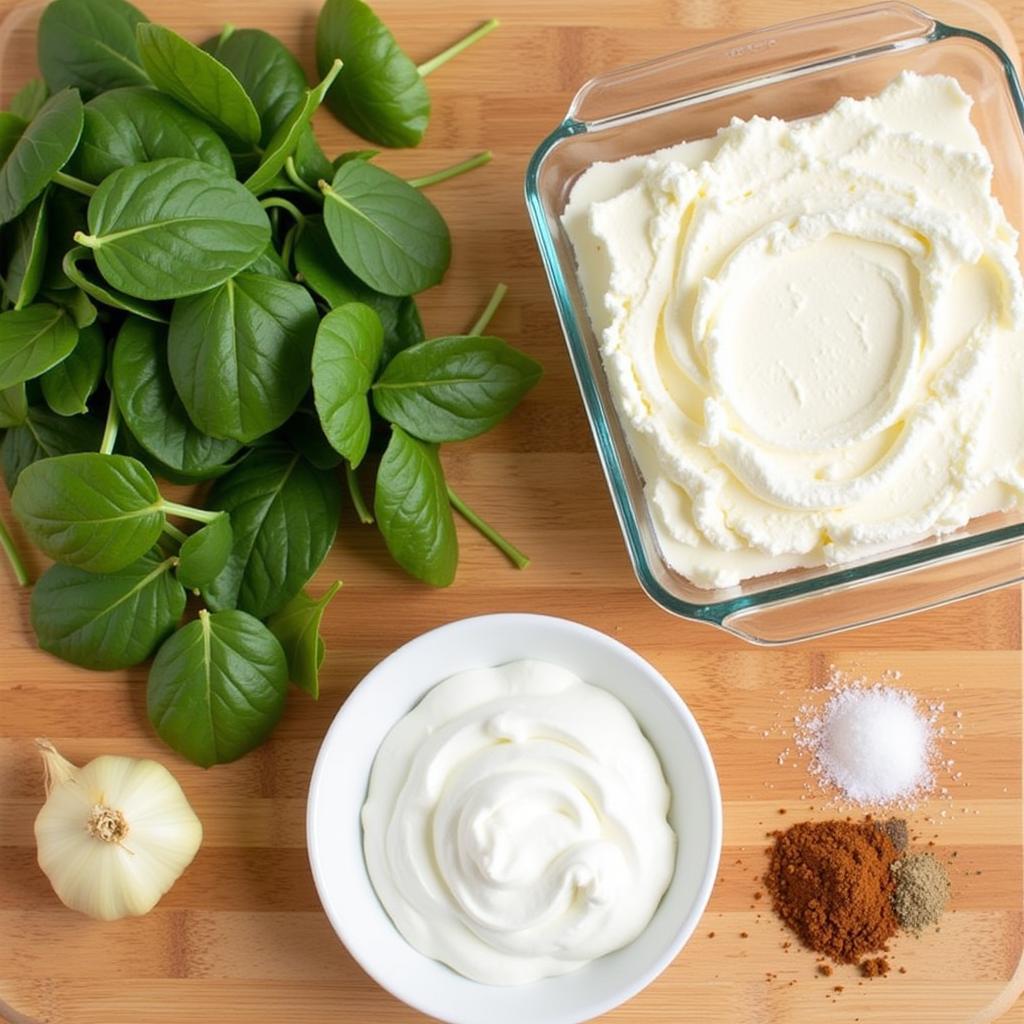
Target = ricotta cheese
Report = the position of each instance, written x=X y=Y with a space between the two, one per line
x=813 y=331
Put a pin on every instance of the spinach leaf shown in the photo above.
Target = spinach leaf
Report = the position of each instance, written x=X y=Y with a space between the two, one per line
x=267 y=70
x=304 y=433
x=217 y=687
x=389 y=234
x=76 y=304
x=69 y=385
x=199 y=82
x=26 y=242
x=134 y=126
x=284 y=514
x=297 y=628
x=355 y=154
x=151 y=407
x=126 y=444
x=13 y=407
x=107 y=621
x=203 y=556
x=43 y=435
x=32 y=340
x=451 y=389
x=11 y=127
x=173 y=227
x=77 y=277
x=239 y=354
x=269 y=264
x=42 y=149
x=413 y=512
x=311 y=162
x=90 y=45
x=283 y=142
x=380 y=94
x=322 y=270
x=98 y=512
x=29 y=99
x=345 y=359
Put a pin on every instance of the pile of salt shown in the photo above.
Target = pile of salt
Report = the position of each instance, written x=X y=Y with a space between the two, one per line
x=873 y=744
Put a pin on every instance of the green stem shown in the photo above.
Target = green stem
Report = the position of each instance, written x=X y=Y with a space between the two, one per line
x=356 y=493
x=453 y=51
x=489 y=310
x=288 y=245
x=113 y=425
x=452 y=172
x=13 y=556
x=514 y=555
x=201 y=515
x=75 y=184
x=172 y=531
x=280 y=203
x=291 y=172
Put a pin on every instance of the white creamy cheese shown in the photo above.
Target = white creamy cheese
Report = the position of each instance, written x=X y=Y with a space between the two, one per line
x=515 y=825
x=814 y=331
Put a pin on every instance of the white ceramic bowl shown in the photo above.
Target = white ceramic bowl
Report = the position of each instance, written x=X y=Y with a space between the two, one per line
x=338 y=789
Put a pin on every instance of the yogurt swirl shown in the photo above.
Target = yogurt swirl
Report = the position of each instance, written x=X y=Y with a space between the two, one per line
x=814 y=331
x=515 y=825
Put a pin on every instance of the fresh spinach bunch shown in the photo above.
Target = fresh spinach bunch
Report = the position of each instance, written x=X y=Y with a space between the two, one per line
x=193 y=292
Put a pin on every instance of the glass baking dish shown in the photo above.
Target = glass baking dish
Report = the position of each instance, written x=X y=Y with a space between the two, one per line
x=790 y=71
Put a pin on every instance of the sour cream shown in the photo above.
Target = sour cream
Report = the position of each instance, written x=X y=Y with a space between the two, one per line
x=515 y=824
x=813 y=331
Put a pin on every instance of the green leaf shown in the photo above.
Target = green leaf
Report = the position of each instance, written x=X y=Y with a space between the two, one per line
x=173 y=227
x=268 y=72
x=269 y=264
x=297 y=628
x=388 y=233
x=13 y=406
x=76 y=303
x=307 y=437
x=135 y=126
x=29 y=99
x=239 y=354
x=322 y=270
x=354 y=154
x=412 y=510
x=26 y=243
x=379 y=94
x=311 y=162
x=98 y=512
x=217 y=687
x=11 y=128
x=101 y=292
x=127 y=445
x=32 y=340
x=65 y=214
x=205 y=553
x=284 y=514
x=199 y=82
x=43 y=435
x=69 y=385
x=451 y=389
x=151 y=407
x=345 y=359
x=41 y=151
x=107 y=621
x=283 y=142
x=90 y=45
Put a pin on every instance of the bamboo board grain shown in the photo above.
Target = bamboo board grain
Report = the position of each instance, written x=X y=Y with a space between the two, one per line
x=241 y=937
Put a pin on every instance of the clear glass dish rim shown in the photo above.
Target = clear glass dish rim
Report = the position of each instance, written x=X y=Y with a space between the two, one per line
x=717 y=612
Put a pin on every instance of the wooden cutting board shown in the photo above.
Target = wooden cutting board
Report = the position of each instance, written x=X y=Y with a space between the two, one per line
x=241 y=938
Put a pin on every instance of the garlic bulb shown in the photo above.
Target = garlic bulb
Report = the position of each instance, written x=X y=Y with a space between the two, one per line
x=113 y=836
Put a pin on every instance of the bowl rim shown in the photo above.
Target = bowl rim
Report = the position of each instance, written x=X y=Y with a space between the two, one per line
x=364 y=691
x=720 y=611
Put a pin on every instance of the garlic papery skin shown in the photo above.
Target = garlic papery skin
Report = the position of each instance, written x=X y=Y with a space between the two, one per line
x=114 y=835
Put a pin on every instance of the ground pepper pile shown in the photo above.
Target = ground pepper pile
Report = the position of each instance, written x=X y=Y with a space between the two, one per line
x=832 y=883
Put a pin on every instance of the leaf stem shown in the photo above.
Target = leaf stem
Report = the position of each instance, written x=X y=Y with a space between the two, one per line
x=489 y=310
x=75 y=184
x=13 y=556
x=453 y=51
x=172 y=531
x=113 y=425
x=201 y=515
x=514 y=555
x=288 y=245
x=280 y=203
x=356 y=493
x=292 y=173
x=452 y=172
